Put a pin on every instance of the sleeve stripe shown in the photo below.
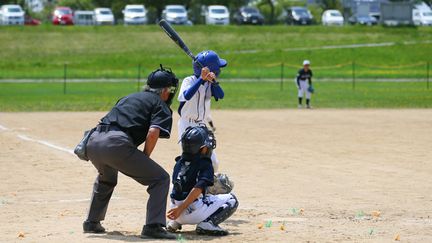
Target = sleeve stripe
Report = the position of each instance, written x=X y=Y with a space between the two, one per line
x=165 y=130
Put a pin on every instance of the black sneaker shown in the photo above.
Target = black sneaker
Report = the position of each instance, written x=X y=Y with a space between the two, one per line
x=208 y=228
x=156 y=232
x=93 y=227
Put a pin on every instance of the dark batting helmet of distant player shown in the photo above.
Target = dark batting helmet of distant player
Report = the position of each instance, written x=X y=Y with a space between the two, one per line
x=209 y=59
x=162 y=78
x=195 y=138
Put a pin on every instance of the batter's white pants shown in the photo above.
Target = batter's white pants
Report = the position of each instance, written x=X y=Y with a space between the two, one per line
x=185 y=123
x=304 y=85
x=202 y=208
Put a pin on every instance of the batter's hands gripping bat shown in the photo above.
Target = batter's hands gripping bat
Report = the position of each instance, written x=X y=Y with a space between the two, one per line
x=175 y=37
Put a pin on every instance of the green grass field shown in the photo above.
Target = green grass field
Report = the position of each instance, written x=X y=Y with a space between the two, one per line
x=116 y=51
x=244 y=95
x=253 y=52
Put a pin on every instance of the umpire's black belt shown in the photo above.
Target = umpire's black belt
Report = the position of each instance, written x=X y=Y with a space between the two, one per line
x=107 y=128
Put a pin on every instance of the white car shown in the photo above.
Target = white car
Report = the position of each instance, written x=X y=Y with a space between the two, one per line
x=103 y=16
x=176 y=14
x=421 y=17
x=11 y=15
x=135 y=14
x=332 y=17
x=217 y=14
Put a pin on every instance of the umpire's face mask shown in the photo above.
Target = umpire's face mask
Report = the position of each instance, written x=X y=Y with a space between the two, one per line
x=172 y=92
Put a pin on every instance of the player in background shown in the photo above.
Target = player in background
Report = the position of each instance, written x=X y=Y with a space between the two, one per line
x=196 y=92
x=304 y=84
x=192 y=175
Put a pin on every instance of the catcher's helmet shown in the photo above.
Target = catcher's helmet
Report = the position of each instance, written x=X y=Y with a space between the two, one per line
x=208 y=59
x=195 y=138
x=161 y=78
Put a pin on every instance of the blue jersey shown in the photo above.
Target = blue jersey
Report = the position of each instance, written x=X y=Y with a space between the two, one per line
x=191 y=173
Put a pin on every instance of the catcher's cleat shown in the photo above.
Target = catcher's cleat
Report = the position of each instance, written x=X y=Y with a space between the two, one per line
x=93 y=227
x=309 y=107
x=208 y=228
x=299 y=106
x=173 y=226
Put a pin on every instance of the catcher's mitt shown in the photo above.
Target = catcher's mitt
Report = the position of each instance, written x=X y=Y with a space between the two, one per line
x=311 y=89
x=222 y=185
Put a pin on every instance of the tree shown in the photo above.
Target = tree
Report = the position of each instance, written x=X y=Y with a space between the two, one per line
x=271 y=4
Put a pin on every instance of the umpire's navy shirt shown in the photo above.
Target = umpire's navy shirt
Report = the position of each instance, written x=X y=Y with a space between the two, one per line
x=136 y=113
x=191 y=173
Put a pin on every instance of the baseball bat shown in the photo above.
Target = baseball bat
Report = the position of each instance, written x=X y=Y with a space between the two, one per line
x=175 y=37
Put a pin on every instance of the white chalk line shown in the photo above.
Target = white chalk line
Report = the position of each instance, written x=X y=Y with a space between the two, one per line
x=3 y=128
x=68 y=200
x=24 y=137
x=43 y=142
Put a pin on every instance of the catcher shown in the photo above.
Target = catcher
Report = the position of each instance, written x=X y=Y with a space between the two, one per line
x=193 y=174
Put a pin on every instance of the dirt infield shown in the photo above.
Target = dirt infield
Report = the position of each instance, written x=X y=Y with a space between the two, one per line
x=326 y=175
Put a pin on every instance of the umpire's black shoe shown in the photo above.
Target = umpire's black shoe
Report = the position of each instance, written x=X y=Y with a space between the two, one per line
x=156 y=232
x=93 y=227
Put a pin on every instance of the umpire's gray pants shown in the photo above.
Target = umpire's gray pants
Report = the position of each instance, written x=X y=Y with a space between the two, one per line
x=113 y=151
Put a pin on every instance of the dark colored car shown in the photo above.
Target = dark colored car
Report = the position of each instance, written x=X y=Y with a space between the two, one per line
x=62 y=16
x=298 y=15
x=248 y=15
x=31 y=21
x=363 y=20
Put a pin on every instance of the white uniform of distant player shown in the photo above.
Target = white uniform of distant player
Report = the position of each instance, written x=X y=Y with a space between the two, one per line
x=195 y=111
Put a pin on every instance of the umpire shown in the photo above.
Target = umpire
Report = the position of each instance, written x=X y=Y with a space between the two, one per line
x=137 y=118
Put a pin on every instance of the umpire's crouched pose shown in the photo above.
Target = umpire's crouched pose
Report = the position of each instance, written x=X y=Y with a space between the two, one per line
x=138 y=117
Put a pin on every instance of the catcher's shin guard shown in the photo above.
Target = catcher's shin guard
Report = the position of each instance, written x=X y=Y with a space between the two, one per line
x=224 y=212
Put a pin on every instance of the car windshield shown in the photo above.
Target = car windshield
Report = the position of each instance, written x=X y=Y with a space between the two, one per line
x=335 y=14
x=135 y=10
x=105 y=12
x=176 y=10
x=250 y=10
x=63 y=11
x=301 y=12
x=14 y=10
x=427 y=14
x=218 y=11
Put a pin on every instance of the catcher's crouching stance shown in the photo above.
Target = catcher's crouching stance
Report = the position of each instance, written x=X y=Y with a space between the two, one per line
x=193 y=174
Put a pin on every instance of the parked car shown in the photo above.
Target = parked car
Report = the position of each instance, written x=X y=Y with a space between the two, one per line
x=248 y=15
x=11 y=14
x=134 y=14
x=62 y=16
x=176 y=14
x=28 y=20
x=217 y=14
x=363 y=20
x=422 y=17
x=82 y=17
x=332 y=17
x=298 y=15
x=103 y=16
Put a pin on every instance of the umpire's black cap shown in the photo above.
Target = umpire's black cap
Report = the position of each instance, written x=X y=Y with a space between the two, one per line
x=161 y=78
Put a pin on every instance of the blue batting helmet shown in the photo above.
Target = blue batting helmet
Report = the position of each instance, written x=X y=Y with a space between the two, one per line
x=209 y=59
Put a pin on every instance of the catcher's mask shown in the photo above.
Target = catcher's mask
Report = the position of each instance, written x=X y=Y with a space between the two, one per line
x=163 y=77
x=196 y=138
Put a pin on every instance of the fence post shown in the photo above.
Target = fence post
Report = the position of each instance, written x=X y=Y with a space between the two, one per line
x=139 y=77
x=353 y=75
x=427 y=75
x=282 y=76
x=64 y=77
